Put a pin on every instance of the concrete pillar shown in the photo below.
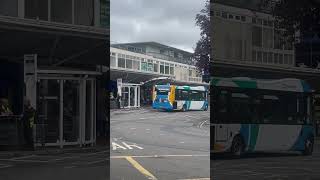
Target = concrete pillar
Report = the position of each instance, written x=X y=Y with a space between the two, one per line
x=97 y=13
x=30 y=78
x=21 y=8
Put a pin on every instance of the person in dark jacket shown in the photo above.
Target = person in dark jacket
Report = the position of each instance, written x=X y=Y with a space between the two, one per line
x=29 y=117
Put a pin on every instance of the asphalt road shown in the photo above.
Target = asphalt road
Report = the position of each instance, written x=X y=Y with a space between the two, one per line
x=268 y=166
x=66 y=166
x=151 y=144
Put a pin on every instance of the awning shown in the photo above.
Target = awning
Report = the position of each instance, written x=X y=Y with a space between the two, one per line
x=55 y=45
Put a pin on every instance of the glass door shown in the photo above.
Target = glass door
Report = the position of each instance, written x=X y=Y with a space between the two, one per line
x=49 y=111
x=67 y=111
x=132 y=96
x=89 y=110
x=71 y=110
x=125 y=97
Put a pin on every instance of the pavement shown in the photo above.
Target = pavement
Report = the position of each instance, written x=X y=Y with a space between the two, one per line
x=152 y=144
x=68 y=165
x=55 y=163
x=51 y=151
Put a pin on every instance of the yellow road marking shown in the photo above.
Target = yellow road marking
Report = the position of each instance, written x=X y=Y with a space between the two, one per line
x=140 y=168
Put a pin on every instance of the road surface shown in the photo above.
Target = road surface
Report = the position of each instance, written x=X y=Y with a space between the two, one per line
x=268 y=166
x=151 y=144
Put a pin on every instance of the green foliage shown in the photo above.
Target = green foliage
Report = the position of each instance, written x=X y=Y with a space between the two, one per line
x=301 y=16
x=202 y=51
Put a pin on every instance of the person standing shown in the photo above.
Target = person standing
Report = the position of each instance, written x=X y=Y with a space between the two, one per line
x=29 y=117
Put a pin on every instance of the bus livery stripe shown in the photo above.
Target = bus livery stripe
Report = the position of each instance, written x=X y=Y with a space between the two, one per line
x=246 y=84
x=305 y=132
x=254 y=128
x=244 y=132
x=172 y=94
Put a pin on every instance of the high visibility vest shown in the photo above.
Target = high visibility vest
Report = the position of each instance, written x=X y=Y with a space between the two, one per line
x=5 y=109
x=31 y=120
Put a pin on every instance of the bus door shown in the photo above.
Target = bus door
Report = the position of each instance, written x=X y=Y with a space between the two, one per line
x=220 y=115
x=197 y=99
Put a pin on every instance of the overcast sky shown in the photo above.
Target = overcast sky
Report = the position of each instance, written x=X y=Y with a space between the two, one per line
x=170 y=22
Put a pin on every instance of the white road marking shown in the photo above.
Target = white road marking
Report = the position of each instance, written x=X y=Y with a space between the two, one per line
x=133 y=128
x=69 y=167
x=196 y=179
x=125 y=146
x=202 y=123
x=2 y=166
x=116 y=146
x=159 y=156
x=132 y=145
x=98 y=161
x=181 y=142
x=63 y=158
x=147 y=129
x=274 y=175
x=23 y=157
x=142 y=118
x=24 y=160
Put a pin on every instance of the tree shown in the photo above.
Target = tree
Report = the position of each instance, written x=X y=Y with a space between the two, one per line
x=297 y=16
x=300 y=21
x=202 y=51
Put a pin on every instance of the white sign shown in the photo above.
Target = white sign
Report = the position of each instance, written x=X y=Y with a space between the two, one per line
x=119 y=85
x=119 y=82
x=30 y=78
x=30 y=64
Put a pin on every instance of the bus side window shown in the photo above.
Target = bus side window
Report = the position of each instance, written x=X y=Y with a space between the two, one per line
x=222 y=107
x=177 y=94
x=302 y=112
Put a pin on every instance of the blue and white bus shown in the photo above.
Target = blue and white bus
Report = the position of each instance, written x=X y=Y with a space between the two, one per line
x=261 y=115
x=172 y=97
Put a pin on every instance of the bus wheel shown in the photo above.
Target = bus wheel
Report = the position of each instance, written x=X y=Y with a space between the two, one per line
x=308 y=146
x=237 y=147
x=184 y=108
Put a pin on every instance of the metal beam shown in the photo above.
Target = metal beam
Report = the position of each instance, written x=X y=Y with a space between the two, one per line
x=55 y=44
x=78 y=54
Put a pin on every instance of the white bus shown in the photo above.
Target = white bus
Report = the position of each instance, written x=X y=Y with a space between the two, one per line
x=171 y=97
x=261 y=115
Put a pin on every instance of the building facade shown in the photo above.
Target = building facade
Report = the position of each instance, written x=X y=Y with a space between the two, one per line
x=246 y=43
x=244 y=32
x=58 y=48
x=159 y=51
x=135 y=67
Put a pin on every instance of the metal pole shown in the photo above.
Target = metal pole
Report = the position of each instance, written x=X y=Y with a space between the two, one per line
x=311 y=54
x=61 y=114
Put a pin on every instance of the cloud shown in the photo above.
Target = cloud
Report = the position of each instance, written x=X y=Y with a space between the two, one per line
x=171 y=22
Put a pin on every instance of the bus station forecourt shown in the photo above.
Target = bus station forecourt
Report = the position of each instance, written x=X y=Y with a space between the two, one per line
x=159 y=143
